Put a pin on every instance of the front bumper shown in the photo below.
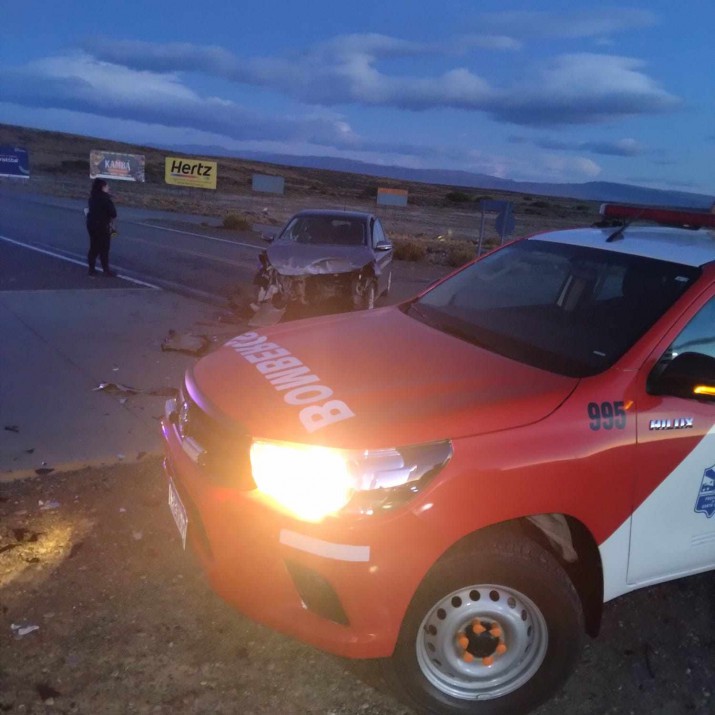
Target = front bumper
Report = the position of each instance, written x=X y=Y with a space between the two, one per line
x=342 y=585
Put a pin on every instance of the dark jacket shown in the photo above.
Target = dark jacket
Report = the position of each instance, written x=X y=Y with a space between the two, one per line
x=101 y=212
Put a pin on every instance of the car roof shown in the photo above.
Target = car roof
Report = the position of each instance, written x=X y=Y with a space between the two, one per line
x=326 y=213
x=677 y=245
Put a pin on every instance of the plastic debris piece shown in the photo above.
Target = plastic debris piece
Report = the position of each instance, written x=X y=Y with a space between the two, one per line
x=187 y=343
x=266 y=314
x=114 y=388
x=47 y=505
x=125 y=391
x=141 y=456
x=19 y=629
x=122 y=510
x=12 y=428
x=137 y=535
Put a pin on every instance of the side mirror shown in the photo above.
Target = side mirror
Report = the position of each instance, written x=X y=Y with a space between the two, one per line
x=268 y=237
x=688 y=375
x=383 y=246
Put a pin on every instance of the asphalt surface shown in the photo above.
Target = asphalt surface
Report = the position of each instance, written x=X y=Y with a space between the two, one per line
x=87 y=363
x=65 y=336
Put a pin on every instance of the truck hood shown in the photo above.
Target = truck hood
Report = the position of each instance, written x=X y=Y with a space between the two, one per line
x=296 y=259
x=371 y=379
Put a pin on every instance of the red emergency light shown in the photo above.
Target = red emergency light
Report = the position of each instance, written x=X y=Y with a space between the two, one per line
x=670 y=217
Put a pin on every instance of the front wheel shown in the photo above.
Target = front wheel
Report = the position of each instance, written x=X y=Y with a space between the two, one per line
x=365 y=294
x=494 y=630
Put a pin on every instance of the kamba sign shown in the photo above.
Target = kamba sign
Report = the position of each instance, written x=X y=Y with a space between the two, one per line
x=198 y=173
x=112 y=165
x=14 y=161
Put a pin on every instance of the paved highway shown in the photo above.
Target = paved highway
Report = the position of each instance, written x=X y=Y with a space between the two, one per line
x=42 y=234
x=199 y=262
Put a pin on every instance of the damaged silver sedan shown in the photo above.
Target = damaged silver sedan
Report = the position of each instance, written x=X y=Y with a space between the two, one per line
x=323 y=257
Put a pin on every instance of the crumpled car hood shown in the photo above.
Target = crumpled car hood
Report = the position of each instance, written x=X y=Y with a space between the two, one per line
x=295 y=259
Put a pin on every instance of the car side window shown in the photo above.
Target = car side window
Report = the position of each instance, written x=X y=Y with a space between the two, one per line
x=698 y=336
x=378 y=235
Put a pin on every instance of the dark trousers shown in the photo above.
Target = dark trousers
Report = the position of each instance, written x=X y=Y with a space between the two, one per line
x=98 y=246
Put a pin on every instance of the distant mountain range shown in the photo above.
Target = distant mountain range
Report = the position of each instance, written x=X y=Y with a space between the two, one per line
x=588 y=191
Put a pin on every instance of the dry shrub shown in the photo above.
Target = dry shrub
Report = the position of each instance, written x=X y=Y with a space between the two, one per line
x=409 y=249
x=460 y=253
x=235 y=222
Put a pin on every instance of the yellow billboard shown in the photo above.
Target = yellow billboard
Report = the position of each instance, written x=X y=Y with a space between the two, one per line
x=198 y=173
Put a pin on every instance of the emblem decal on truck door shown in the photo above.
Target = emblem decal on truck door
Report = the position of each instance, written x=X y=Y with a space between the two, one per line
x=705 y=503
x=677 y=423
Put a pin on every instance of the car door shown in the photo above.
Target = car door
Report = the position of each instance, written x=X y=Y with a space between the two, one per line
x=673 y=525
x=383 y=258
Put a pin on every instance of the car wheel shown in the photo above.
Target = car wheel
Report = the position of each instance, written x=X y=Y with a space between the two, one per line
x=365 y=294
x=494 y=630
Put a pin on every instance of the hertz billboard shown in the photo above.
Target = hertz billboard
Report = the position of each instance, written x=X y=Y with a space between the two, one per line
x=198 y=173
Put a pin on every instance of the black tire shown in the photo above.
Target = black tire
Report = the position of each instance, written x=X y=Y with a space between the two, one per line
x=365 y=295
x=505 y=598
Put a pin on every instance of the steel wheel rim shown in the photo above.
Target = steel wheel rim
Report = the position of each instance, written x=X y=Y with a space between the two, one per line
x=445 y=662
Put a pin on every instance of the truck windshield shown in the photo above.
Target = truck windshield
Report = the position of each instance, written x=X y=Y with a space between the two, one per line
x=567 y=309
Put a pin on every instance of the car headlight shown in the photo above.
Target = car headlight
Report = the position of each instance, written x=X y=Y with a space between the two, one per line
x=313 y=482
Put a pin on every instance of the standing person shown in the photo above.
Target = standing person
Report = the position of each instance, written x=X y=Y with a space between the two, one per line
x=100 y=214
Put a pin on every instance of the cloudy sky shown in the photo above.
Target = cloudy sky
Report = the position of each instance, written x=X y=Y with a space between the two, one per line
x=549 y=91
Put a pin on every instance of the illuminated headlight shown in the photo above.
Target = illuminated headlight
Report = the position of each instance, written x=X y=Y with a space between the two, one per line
x=313 y=482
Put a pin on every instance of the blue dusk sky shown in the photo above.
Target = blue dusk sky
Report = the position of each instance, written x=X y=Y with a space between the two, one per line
x=536 y=91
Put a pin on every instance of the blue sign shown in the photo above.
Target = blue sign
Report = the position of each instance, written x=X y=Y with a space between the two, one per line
x=705 y=503
x=492 y=205
x=14 y=162
x=268 y=184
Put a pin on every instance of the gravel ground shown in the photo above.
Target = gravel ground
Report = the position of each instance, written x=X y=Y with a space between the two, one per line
x=127 y=624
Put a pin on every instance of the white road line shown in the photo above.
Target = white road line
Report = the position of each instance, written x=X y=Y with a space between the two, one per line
x=198 y=235
x=73 y=260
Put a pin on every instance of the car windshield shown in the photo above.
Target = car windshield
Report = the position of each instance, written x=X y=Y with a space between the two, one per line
x=567 y=309
x=324 y=230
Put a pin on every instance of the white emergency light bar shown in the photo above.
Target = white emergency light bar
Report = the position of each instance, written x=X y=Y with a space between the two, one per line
x=670 y=217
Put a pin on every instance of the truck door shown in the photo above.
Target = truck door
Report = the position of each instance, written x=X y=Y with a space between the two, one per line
x=673 y=526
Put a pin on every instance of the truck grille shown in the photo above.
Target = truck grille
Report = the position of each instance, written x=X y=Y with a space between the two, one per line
x=224 y=447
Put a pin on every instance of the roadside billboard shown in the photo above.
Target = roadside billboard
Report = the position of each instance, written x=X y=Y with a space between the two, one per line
x=392 y=197
x=14 y=161
x=268 y=184
x=114 y=165
x=199 y=173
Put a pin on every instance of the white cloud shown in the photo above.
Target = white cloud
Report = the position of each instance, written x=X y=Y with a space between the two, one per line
x=569 y=89
x=583 y=88
x=82 y=83
x=598 y=24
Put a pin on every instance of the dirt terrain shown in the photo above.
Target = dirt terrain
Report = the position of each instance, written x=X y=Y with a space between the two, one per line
x=126 y=624
x=59 y=165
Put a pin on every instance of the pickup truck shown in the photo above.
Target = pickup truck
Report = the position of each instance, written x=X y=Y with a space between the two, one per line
x=455 y=485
